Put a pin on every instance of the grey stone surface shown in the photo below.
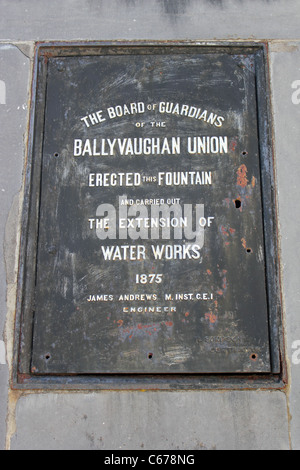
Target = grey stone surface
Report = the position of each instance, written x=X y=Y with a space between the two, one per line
x=148 y=19
x=14 y=77
x=155 y=420
x=152 y=420
x=285 y=75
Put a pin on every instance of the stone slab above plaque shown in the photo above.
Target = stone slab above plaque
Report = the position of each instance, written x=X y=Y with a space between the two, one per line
x=151 y=213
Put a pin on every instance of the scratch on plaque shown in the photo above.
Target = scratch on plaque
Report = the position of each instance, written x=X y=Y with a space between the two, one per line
x=177 y=354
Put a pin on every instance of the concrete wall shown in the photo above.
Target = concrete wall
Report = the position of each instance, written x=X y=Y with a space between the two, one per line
x=149 y=420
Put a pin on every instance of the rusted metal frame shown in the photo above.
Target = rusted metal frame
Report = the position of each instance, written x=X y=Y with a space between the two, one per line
x=21 y=376
x=145 y=382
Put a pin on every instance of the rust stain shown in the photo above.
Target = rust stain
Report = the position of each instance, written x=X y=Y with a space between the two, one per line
x=227 y=233
x=242 y=176
x=244 y=243
x=253 y=182
x=223 y=230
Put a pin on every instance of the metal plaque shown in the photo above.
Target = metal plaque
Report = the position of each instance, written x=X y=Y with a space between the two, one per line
x=150 y=253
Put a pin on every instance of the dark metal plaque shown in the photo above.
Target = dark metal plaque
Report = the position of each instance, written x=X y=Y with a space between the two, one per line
x=150 y=242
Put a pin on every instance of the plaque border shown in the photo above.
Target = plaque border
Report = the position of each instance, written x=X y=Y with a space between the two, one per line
x=21 y=371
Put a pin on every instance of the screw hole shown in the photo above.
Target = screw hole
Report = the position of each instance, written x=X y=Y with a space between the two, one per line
x=150 y=355
x=244 y=153
x=56 y=154
x=249 y=250
x=253 y=357
x=237 y=203
x=47 y=357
